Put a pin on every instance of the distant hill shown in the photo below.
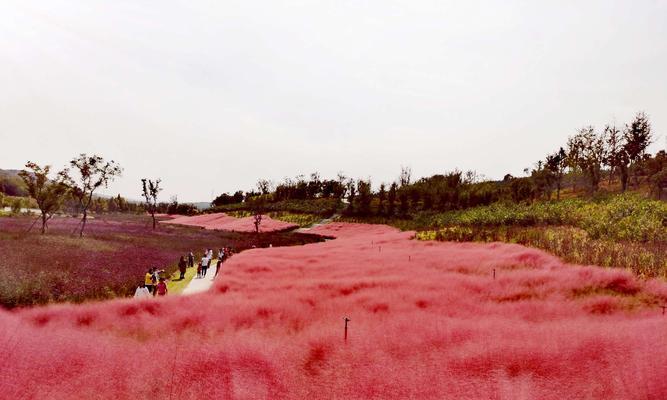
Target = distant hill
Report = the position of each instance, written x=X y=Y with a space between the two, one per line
x=11 y=184
x=202 y=205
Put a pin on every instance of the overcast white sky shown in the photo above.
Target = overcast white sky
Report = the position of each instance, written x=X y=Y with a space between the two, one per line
x=211 y=95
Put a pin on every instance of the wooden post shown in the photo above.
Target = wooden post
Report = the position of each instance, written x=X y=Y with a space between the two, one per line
x=346 y=321
x=494 y=274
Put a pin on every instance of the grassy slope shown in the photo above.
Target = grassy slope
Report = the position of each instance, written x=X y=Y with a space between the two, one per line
x=175 y=285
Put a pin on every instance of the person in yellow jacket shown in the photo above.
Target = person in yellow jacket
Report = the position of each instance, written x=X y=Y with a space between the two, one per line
x=148 y=280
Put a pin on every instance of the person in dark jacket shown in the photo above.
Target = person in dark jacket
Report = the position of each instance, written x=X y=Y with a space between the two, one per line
x=182 y=265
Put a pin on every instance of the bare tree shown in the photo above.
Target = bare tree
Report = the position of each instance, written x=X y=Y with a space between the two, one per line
x=470 y=177
x=257 y=220
x=49 y=194
x=406 y=175
x=341 y=187
x=258 y=211
x=94 y=172
x=265 y=186
x=150 y=190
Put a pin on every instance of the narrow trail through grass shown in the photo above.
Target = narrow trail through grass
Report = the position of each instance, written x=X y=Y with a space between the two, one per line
x=199 y=285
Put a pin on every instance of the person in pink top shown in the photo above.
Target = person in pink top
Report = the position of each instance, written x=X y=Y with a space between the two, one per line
x=161 y=289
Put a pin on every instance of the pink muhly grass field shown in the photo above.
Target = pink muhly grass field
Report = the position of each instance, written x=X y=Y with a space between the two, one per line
x=428 y=320
x=224 y=222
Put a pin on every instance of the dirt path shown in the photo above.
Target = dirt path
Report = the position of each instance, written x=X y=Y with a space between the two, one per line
x=322 y=222
x=199 y=285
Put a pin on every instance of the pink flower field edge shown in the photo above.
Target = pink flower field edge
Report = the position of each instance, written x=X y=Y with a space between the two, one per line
x=224 y=222
x=428 y=320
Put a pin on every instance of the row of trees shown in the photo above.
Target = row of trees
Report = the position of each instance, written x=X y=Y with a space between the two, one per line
x=80 y=181
x=440 y=192
x=587 y=158
x=591 y=154
x=74 y=188
x=299 y=188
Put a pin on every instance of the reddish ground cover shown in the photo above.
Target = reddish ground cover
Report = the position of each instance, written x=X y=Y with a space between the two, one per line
x=428 y=320
x=223 y=222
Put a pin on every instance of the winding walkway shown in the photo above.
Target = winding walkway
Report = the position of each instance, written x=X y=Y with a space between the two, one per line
x=199 y=285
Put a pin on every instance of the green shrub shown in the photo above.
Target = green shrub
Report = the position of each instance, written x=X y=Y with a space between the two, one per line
x=300 y=219
x=623 y=217
x=17 y=205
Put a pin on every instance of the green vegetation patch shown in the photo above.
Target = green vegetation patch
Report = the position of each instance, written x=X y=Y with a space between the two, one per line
x=301 y=219
x=624 y=217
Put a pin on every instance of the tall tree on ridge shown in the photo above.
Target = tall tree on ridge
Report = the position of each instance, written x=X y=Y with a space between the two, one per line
x=406 y=176
x=638 y=137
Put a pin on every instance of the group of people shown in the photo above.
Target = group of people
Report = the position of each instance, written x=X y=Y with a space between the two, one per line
x=156 y=285
x=207 y=259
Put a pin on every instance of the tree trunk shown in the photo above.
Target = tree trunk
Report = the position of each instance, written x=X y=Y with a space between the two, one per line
x=43 y=223
x=154 y=223
x=624 y=178
x=83 y=223
x=594 y=178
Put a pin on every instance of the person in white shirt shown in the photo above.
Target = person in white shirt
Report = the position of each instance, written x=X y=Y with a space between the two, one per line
x=205 y=261
x=142 y=292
